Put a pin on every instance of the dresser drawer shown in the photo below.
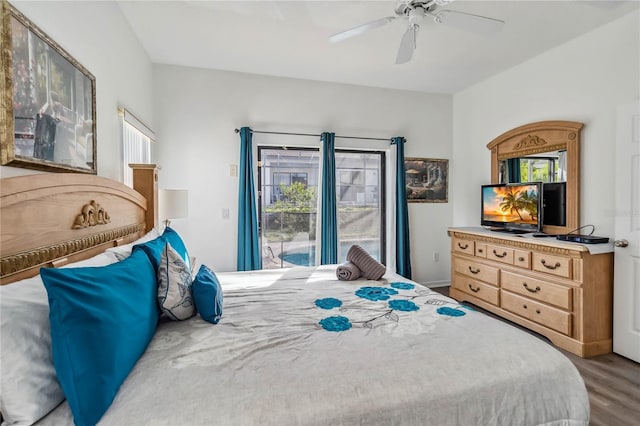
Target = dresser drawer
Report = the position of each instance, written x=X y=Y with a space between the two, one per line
x=481 y=250
x=542 y=291
x=542 y=314
x=500 y=254
x=463 y=246
x=556 y=265
x=476 y=270
x=477 y=289
x=522 y=259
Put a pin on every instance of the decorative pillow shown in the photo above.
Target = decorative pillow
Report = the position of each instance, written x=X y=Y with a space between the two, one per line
x=176 y=242
x=174 y=286
x=102 y=320
x=207 y=294
x=29 y=388
x=124 y=251
x=154 y=248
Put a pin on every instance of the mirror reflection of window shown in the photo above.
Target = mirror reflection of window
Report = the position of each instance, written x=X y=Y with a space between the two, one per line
x=544 y=167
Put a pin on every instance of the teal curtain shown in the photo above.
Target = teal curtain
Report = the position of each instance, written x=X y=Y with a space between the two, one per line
x=248 y=237
x=403 y=255
x=328 y=204
x=513 y=170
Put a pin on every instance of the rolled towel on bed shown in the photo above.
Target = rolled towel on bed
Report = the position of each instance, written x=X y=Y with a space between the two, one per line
x=371 y=268
x=348 y=271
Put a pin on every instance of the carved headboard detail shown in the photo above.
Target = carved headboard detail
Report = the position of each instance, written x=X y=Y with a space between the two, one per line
x=49 y=254
x=92 y=214
x=40 y=224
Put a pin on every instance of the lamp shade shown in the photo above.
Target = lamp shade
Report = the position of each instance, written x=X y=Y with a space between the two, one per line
x=173 y=203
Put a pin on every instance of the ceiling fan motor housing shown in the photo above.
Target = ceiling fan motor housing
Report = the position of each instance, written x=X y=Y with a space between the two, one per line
x=404 y=7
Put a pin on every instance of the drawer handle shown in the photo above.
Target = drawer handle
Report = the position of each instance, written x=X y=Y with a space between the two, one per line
x=463 y=247
x=537 y=311
x=475 y=290
x=521 y=259
x=524 y=306
x=532 y=290
x=480 y=250
x=556 y=266
x=474 y=271
x=504 y=253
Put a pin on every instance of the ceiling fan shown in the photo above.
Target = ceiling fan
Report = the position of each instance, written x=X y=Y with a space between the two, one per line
x=415 y=11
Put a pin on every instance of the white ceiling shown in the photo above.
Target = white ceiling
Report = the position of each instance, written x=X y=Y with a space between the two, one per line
x=289 y=38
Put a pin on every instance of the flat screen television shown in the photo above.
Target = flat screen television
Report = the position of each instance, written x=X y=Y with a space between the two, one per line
x=554 y=203
x=513 y=208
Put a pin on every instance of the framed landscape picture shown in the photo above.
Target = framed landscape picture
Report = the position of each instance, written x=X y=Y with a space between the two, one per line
x=48 y=101
x=427 y=180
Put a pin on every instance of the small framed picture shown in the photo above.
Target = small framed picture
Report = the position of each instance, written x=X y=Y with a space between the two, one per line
x=427 y=180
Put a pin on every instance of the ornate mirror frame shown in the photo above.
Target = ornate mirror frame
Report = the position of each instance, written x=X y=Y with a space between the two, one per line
x=540 y=137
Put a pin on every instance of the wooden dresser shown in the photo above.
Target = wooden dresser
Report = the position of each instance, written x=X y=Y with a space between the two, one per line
x=554 y=288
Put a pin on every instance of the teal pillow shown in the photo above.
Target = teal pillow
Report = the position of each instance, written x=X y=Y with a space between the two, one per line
x=155 y=247
x=176 y=242
x=207 y=294
x=102 y=320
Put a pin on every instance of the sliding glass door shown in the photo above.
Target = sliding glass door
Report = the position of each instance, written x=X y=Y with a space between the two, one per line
x=288 y=199
x=361 y=202
x=288 y=182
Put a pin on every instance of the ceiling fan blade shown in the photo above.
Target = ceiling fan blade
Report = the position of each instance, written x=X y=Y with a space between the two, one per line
x=469 y=21
x=361 y=29
x=407 y=45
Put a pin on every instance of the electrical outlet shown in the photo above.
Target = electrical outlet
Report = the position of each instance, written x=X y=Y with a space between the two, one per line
x=436 y=256
x=233 y=170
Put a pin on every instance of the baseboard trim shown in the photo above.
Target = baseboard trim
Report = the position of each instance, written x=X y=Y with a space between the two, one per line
x=432 y=284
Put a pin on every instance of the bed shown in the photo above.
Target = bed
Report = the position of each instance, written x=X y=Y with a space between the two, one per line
x=297 y=346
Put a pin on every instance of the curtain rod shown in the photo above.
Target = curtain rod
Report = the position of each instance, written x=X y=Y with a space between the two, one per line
x=312 y=134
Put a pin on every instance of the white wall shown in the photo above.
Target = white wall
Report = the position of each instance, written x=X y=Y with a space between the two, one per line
x=583 y=80
x=97 y=35
x=198 y=110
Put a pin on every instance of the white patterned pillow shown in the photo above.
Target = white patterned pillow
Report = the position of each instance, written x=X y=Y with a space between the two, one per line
x=174 y=286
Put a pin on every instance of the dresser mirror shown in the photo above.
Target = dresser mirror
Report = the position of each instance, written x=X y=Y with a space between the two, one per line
x=546 y=151
x=544 y=167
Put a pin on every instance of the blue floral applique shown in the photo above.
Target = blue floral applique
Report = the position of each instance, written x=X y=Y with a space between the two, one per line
x=375 y=293
x=402 y=286
x=403 y=305
x=452 y=312
x=337 y=323
x=328 y=303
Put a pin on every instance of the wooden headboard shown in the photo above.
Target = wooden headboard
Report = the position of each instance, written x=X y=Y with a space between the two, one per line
x=54 y=219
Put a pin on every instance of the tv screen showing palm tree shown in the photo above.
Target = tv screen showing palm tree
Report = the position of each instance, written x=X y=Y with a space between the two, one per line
x=514 y=206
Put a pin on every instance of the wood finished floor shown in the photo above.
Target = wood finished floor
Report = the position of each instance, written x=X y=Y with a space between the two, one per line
x=612 y=381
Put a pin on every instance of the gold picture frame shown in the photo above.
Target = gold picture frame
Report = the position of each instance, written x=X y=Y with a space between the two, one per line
x=48 y=101
x=427 y=180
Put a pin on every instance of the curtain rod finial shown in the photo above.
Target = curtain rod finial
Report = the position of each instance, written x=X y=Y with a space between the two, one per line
x=236 y=130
